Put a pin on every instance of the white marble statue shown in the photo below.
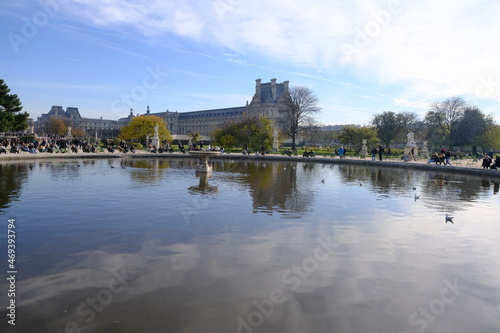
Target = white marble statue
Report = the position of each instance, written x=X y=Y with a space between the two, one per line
x=411 y=140
x=156 y=131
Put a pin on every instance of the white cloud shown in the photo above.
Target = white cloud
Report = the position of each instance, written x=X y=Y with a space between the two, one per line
x=431 y=48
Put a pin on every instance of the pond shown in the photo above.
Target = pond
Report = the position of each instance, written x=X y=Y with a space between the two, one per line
x=148 y=245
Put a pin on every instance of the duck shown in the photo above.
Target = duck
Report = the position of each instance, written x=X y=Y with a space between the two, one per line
x=448 y=218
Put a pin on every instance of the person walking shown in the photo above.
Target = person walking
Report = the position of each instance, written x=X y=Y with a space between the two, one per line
x=380 y=152
x=448 y=157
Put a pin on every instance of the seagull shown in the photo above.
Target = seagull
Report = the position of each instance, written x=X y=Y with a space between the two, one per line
x=448 y=219
x=417 y=197
x=323 y=181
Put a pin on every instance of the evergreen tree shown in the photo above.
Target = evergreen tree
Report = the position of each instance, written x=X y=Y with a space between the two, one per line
x=11 y=118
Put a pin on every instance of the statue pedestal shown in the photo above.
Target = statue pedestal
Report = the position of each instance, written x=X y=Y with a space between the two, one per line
x=364 y=150
x=425 y=150
x=203 y=166
x=155 y=141
x=409 y=148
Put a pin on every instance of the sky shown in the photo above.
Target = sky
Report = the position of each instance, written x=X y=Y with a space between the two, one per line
x=359 y=57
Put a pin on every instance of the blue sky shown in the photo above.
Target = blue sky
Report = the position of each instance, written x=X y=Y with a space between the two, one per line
x=360 y=57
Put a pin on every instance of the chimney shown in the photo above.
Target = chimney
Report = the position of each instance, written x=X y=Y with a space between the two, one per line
x=285 y=86
x=273 y=88
x=257 y=87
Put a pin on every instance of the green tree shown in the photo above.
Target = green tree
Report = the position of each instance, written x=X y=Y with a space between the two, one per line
x=389 y=126
x=470 y=128
x=413 y=124
x=445 y=116
x=252 y=132
x=11 y=118
x=353 y=136
x=297 y=111
x=490 y=138
x=78 y=132
x=195 y=137
x=141 y=127
x=56 y=126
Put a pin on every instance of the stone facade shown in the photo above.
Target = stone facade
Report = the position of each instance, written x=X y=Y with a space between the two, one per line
x=265 y=101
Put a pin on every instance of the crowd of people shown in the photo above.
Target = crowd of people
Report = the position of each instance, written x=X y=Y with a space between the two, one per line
x=443 y=157
x=16 y=145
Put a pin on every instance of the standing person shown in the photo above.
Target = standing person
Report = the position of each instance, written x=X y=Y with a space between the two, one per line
x=486 y=161
x=448 y=157
x=380 y=152
x=374 y=153
x=413 y=154
x=341 y=152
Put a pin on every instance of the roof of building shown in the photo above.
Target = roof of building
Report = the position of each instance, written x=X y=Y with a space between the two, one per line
x=213 y=113
x=266 y=94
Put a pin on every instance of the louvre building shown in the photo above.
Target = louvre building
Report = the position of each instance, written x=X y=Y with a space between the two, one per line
x=265 y=101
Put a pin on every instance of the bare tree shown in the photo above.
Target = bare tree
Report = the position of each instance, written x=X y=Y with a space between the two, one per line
x=297 y=111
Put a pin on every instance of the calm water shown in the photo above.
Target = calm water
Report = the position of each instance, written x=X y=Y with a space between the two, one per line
x=149 y=246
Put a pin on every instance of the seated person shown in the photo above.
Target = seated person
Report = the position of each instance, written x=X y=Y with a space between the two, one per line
x=14 y=149
x=305 y=154
x=111 y=149
x=496 y=163
x=24 y=148
x=3 y=150
x=433 y=158
x=32 y=149
x=74 y=149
